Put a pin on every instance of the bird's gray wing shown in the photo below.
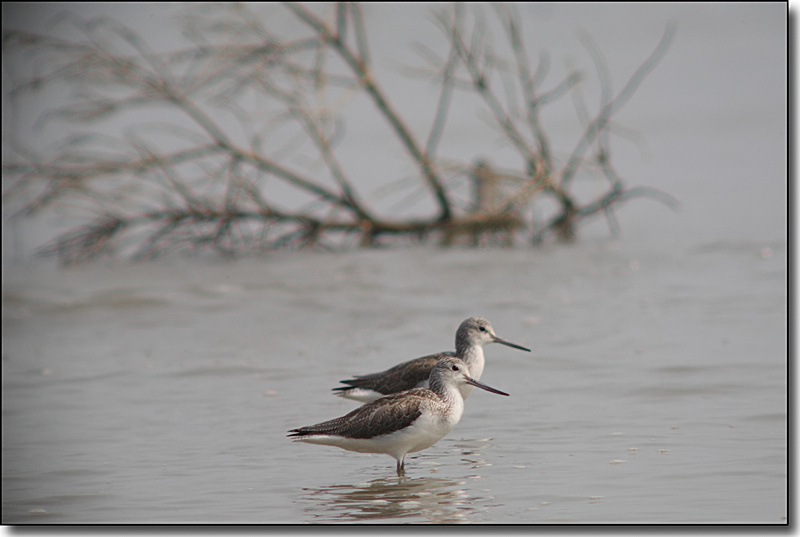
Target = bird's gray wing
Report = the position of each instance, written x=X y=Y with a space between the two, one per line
x=382 y=416
x=401 y=377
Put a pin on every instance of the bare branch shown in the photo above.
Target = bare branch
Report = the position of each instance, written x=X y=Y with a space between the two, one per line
x=614 y=105
x=250 y=116
x=370 y=85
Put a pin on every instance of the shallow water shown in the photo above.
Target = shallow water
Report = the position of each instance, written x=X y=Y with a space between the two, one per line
x=655 y=392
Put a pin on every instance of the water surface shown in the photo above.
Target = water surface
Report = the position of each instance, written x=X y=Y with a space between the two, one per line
x=655 y=392
x=657 y=386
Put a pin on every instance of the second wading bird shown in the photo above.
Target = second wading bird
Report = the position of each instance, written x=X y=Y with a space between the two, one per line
x=400 y=423
x=471 y=336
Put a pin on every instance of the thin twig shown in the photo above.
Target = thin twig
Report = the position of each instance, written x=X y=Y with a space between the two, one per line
x=614 y=105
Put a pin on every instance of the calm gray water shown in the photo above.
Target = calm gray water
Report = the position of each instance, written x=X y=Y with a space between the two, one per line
x=656 y=390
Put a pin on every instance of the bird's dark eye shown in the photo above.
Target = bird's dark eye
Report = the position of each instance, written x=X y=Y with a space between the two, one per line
x=482 y=328
x=454 y=367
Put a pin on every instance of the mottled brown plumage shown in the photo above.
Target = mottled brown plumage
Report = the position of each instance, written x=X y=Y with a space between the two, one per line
x=398 y=378
x=362 y=422
x=471 y=336
x=403 y=422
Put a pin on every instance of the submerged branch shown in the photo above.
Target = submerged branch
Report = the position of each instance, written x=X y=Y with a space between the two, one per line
x=192 y=180
x=601 y=120
x=361 y=70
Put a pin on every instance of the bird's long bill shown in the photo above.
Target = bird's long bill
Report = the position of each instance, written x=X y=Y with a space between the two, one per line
x=509 y=344
x=477 y=384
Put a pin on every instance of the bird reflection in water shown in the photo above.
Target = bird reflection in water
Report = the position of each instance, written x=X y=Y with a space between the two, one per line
x=422 y=499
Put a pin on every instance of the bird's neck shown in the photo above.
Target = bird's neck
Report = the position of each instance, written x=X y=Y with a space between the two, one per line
x=473 y=356
x=453 y=400
x=447 y=392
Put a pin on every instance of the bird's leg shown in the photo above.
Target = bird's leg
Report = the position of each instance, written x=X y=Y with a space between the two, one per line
x=401 y=466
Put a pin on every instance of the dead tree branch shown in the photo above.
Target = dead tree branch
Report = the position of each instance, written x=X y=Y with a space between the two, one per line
x=240 y=150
